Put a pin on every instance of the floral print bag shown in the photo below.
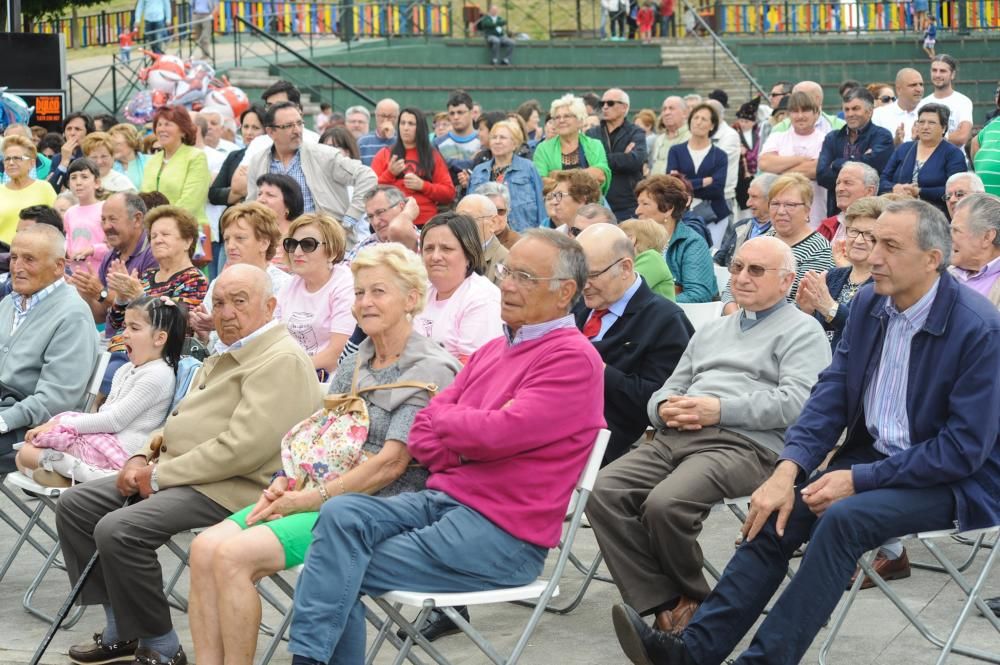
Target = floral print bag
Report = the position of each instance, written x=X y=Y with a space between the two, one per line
x=329 y=443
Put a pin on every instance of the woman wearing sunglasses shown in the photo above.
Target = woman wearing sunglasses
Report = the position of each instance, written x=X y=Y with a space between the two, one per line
x=316 y=302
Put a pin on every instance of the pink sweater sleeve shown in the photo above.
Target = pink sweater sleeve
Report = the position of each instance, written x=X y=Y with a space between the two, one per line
x=424 y=443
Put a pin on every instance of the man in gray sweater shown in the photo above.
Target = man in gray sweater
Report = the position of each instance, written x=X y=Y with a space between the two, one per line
x=720 y=421
x=48 y=342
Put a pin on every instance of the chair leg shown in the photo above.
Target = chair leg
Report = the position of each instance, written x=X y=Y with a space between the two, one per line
x=176 y=599
x=413 y=636
x=34 y=518
x=71 y=620
x=975 y=543
x=845 y=608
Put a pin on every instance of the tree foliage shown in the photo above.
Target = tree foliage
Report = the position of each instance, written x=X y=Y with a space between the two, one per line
x=40 y=8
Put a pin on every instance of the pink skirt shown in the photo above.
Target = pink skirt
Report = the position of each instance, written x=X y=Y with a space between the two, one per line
x=101 y=450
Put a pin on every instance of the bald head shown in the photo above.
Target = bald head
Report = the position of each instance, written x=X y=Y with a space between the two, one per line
x=37 y=258
x=755 y=294
x=909 y=88
x=482 y=211
x=610 y=264
x=811 y=88
x=242 y=302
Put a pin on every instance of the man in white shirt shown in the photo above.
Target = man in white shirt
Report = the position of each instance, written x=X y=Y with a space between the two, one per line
x=943 y=71
x=899 y=116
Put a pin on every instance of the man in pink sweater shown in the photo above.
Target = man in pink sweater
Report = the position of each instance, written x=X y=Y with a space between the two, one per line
x=502 y=464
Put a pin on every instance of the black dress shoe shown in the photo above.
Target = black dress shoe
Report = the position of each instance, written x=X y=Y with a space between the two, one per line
x=146 y=656
x=644 y=645
x=438 y=625
x=994 y=604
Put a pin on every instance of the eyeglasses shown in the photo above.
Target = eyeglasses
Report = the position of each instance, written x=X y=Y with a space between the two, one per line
x=308 y=245
x=923 y=122
x=610 y=102
x=14 y=159
x=780 y=94
x=554 y=197
x=564 y=118
x=887 y=99
x=867 y=235
x=522 y=278
x=289 y=125
x=781 y=205
x=736 y=267
x=595 y=275
x=382 y=211
x=386 y=116
x=957 y=195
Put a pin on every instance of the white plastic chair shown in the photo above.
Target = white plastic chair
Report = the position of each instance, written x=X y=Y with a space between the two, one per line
x=701 y=313
x=972 y=592
x=721 y=277
x=540 y=591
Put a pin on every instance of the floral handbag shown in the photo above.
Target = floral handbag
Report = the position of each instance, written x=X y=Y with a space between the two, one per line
x=329 y=443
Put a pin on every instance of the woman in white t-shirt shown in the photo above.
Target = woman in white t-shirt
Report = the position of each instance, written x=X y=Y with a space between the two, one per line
x=797 y=149
x=316 y=302
x=463 y=307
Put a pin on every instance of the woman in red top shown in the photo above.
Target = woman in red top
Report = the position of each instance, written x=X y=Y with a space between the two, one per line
x=414 y=166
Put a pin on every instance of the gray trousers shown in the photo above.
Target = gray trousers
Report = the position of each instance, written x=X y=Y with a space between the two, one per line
x=90 y=517
x=648 y=507
x=201 y=29
x=500 y=47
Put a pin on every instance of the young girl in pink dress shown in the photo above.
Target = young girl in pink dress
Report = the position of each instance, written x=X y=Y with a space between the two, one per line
x=75 y=447
x=84 y=236
x=645 y=18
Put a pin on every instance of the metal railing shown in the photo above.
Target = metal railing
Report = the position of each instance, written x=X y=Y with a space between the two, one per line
x=281 y=47
x=733 y=68
x=793 y=18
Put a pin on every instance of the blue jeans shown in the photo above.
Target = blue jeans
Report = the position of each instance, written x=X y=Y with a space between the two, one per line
x=156 y=34
x=414 y=541
x=849 y=528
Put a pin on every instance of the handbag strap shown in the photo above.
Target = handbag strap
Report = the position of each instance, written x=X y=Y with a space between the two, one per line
x=429 y=387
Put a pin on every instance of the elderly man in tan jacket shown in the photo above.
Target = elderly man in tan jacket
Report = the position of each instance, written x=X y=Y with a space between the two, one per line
x=217 y=450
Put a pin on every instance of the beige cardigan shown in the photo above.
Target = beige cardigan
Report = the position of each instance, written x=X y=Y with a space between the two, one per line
x=224 y=438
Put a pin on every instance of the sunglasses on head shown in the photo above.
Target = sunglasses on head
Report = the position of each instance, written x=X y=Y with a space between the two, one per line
x=308 y=245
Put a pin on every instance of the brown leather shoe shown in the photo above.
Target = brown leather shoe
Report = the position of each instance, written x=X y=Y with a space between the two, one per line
x=677 y=619
x=146 y=656
x=99 y=652
x=888 y=569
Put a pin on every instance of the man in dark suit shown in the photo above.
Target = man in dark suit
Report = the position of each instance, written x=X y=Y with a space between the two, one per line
x=914 y=384
x=639 y=334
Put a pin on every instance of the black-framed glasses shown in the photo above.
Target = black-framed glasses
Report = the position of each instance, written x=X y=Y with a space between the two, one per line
x=289 y=125
x=308 y=245
x=887 y=99
x=595 y=275
x=610 y=102
x=867 y=235
x=522 y=278
x=755 y=270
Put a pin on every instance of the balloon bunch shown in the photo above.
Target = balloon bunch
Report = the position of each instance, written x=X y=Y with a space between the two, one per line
x=191 y=83
x=13 y=110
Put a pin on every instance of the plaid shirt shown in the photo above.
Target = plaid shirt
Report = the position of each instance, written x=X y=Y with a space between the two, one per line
x=24 y=304
x=294 y=171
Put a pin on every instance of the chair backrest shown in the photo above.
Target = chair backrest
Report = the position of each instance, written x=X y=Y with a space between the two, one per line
x=700 y=313
x=721 y=277
x=589 y=474
x=186 y=369
x=94 y=386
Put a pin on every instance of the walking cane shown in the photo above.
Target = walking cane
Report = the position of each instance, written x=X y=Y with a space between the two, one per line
x=84 y=574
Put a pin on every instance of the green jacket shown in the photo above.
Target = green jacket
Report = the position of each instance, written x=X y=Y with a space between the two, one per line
x=548 y=157
x=654 y=269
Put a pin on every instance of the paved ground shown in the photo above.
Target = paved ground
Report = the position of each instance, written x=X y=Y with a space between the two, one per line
x=874 y=633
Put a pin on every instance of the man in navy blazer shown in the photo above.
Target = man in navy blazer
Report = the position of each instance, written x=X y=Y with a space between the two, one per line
x=859 y=140
x=918 y=457
x=640 y=335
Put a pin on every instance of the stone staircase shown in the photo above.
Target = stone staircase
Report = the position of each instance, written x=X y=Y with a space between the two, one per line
x=705 y=67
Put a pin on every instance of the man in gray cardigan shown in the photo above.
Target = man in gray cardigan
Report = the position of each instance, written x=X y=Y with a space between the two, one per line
x=48 y=342
x=720 y=420
x=330 y=181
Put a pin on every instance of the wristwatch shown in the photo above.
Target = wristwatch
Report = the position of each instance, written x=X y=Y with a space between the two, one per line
x=832 y=312
x=103 y=296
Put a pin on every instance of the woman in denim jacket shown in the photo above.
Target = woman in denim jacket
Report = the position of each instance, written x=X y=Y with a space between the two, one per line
x=527 y=209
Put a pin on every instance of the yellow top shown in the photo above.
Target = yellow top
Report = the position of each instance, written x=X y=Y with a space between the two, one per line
x=12 y=201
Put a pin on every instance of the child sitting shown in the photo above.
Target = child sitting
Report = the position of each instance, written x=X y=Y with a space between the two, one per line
x=76 y=447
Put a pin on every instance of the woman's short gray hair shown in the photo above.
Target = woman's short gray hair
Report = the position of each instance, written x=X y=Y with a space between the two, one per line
x=933 y=231
x=411 y=275
x=763 y=182
x=573 y=103
x=571 y=264
x=495 y=189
